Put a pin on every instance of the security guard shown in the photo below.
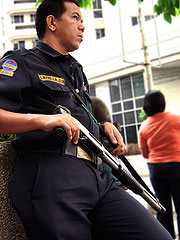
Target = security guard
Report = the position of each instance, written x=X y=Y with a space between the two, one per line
x=60 y=195
x=36 y=78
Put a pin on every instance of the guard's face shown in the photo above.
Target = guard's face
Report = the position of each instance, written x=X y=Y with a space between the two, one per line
x=70 y=28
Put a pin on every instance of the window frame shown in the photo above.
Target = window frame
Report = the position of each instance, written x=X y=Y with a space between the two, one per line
x=135 y=102
x=97 y=9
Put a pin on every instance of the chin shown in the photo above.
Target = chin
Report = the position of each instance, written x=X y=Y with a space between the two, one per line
x=74 y=48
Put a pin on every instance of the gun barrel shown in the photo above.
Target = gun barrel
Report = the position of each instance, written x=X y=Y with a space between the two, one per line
x=153 y=202
x=131 y=183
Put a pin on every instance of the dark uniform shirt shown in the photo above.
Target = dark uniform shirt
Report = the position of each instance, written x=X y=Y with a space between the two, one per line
x=23 y=74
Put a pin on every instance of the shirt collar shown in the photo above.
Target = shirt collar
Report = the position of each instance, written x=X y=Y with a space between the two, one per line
x=48 y=50
x=53 y=53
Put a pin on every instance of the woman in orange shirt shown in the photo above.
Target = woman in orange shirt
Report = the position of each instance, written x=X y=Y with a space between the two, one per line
x=159 y=139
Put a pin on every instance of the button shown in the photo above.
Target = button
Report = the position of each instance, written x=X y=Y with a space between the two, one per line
x=84 y=88
x=77 y=90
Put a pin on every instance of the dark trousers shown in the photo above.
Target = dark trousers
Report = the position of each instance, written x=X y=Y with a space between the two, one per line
x=65 y=198
x=165 y=179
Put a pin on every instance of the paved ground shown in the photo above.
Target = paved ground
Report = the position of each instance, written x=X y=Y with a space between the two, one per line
x=140 y=165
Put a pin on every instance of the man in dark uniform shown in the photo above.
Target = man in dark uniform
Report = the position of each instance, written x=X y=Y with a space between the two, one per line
x=57 y=195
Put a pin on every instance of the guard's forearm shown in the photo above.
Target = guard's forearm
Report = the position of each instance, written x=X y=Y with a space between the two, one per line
x=12 y=123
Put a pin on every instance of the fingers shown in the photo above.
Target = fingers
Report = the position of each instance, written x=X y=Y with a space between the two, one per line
x=119 y=150
x=71 y=128
x=116 y=139
x=66 y=121
x=72 y=132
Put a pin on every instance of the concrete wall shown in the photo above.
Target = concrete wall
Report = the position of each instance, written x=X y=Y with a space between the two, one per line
x=10 y=224
x=168 y=81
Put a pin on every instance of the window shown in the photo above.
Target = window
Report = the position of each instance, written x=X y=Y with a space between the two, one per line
x=128 y=105
x=126 y=88
x=127 y=95
x=114 y=90
x=135 y=20
x=98 y=14
x=147 y=18
x=25 y=27
x=100 y=33
x=116 y=107
x=92 y=90
x=16 y=46
x=24 y=1
x=32 y=17
x=34 y=41
x=131 y=134
x=19 y=45
x=138 y=84
x=18 y=19
x=97 y=9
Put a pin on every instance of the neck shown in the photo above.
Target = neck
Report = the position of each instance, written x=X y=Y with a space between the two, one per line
x=53 y=44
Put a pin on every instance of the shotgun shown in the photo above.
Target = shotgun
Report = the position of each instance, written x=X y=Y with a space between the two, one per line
x=88 y=140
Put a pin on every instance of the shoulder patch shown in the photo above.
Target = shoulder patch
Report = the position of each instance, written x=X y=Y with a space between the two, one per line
x=9 y=67
x=52 y=79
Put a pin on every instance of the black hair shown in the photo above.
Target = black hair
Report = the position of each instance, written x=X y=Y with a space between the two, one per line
x=154 y=102
x=46 y=8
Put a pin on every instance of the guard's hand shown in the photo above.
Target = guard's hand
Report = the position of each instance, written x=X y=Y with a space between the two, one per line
x=115 y=138
x=66 y=121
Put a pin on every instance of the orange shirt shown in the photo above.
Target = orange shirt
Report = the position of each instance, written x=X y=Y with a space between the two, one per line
x=161 y=134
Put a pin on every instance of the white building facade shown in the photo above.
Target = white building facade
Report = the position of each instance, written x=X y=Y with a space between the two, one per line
x=17 y=24
x=111 y=54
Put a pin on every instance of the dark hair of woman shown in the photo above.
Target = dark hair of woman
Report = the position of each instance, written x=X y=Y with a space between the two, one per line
x=154 y=102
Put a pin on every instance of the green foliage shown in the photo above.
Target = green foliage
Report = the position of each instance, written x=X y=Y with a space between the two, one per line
x=6 y=137
x=113 y=2
x=142 y=115
x=83 y=3
x=169 y=9
x=38 y=2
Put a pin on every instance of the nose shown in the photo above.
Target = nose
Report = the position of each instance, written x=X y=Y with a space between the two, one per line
x=82 y=27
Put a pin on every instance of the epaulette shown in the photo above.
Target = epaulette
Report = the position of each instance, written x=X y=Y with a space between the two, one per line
x=23 y=51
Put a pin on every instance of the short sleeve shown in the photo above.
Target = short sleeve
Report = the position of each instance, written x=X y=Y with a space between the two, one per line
x=13 y=78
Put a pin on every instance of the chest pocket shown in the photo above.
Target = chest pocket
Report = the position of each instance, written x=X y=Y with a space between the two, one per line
x=60 y=93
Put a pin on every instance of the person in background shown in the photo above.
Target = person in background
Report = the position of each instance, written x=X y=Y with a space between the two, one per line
x=56 y=187
x=159 y=140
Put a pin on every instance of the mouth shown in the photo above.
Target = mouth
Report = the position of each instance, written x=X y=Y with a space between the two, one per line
x=81 y=37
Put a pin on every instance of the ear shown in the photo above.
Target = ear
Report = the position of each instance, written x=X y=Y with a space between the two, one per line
x=51 y=22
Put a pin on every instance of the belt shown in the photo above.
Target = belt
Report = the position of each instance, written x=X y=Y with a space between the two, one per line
x=79 y=152
x=71 y=150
